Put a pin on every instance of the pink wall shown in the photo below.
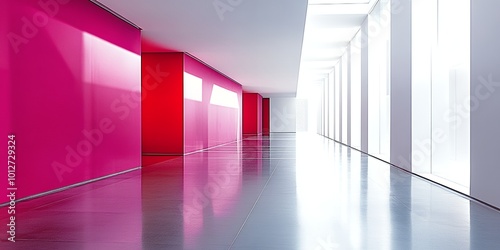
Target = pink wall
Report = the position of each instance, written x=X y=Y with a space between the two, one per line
x=6 y=120
x=206 y=124
x=75 y=93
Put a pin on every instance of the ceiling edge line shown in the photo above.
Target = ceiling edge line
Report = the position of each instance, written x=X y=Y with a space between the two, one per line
x=106 y=8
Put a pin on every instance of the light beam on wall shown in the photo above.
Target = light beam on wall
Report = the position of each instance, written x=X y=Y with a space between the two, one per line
x=224 y=97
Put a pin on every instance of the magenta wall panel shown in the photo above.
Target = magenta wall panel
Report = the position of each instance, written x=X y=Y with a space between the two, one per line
x=5 y=90
x=72 y=72
x=195 y=124
x=215 y=118
x=223 y=125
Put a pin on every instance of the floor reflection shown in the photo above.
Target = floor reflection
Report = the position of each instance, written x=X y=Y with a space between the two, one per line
x=281 y=191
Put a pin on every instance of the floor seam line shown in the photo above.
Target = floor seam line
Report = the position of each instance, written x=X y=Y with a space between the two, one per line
x=254 y=204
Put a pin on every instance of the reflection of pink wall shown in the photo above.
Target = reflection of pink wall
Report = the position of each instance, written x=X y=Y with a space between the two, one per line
x=210 y=186
x=205 y=124
x=79 y=71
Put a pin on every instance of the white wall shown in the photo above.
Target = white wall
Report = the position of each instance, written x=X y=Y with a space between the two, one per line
x=484 y=96
x=283 y=114
x=401 y=84
x=485 y=101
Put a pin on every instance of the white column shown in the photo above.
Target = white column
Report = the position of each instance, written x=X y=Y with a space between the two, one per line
x=401 y=83
x=485 y=101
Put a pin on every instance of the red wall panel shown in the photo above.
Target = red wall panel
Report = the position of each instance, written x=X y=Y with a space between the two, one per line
x=252 y=113
x=174 y=123
x=162 y=103
x=72 y=75
x=249 y=113
x=266 y=125
x=259 y=114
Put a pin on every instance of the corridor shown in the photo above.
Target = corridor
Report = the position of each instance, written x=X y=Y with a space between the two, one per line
x=283 y=191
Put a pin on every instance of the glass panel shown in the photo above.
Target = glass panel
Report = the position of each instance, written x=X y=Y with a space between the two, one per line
x=451 y=92
x=424 y=35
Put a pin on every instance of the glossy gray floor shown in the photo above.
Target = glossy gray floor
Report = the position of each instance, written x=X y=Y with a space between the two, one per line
x=285 y=191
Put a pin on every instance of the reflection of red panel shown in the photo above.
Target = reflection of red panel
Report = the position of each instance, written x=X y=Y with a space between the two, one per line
x=252 y=113
x=162 y=104
x=265 y=116
x=154 y=159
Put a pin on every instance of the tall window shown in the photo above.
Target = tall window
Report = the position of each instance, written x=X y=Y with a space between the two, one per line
x=356 y=92
x=345 y=97
x=378 y=80
x=331 y=115
x=441 y=90
x=337 y=101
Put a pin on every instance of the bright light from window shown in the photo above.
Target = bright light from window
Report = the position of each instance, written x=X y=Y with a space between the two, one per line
x=99 y=54
x=193 y=87
x=223 y=97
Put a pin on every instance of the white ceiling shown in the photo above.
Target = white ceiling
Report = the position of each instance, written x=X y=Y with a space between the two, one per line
x=258 y=43
x=330 y=26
